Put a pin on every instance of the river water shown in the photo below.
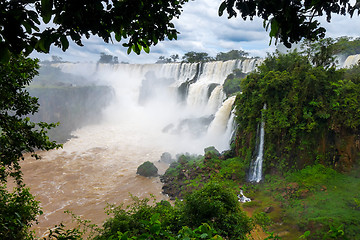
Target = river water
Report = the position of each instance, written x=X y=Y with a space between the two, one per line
x=95 y=168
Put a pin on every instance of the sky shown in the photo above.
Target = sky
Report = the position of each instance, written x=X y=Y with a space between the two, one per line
x=201 y=30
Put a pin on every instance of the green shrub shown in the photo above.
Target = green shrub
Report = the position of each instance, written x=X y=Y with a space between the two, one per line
x=18 y=211
x=219 y=207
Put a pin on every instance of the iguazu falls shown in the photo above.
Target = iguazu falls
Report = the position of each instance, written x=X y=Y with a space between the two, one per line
x=115 y=117
x=179 y=120
x=151 y=109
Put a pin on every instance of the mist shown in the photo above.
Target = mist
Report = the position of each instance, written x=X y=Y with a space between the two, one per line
x=171 y=105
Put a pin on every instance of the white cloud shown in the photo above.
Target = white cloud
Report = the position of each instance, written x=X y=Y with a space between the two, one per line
x=201 y=30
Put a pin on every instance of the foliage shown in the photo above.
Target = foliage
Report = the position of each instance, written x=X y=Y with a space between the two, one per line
x=323 y=52
x=133 y=20
x=190 y=173
x=222 y=216
x=347 y=46
x=320 y=53
x=305 y=105
x=18 y=211
x=353 y=74
x=18 y=134
x=172 y=58
x=231 y=55
x=290 y=21
x=232 y=82
x=218 y=207
x=60 y=233
x=192 y=57
x=107 y=58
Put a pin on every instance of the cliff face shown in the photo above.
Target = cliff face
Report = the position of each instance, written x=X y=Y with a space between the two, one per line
x=73 y=107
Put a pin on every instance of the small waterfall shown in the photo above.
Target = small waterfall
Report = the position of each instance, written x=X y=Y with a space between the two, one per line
x=215 y=100
x=231 y=127
x=351 y=60
x=220 y=122
x=242 y=198
x=256 y=165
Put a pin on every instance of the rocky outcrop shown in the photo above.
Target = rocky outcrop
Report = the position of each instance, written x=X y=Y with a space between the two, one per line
x=147 y=169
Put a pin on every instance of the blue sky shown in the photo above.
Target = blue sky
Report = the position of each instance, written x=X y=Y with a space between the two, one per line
x=201 y=30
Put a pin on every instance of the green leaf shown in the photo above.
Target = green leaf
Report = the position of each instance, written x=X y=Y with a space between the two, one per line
x=155 y=217
x=222 y=8
x=64 y=42
x=155 y=229
x=204 y=235
x=46 y=10
x=147 y=49
x=118 y=37
x=27 y=27
x=274 y=28
x=4 y=54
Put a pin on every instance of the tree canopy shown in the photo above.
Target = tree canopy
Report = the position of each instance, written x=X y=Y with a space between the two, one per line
x=143 y=23
x=192 y=57
x=108 y=58
x=290 y=20
x=231 y=55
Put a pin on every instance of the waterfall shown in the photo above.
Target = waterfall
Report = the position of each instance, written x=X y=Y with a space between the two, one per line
x=221 y=127
x=256 y=165
x=220 y=122
x=351 y=60
x=185 y=100
x=242 y=198
x=215 y=100
x=231 y=127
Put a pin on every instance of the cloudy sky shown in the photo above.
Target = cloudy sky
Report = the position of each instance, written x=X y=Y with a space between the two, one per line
x=201 y=30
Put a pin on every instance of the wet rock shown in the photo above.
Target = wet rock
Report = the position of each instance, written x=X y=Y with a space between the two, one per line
x=147 y=169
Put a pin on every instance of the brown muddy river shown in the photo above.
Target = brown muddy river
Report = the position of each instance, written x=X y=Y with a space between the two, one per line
x=96 y=168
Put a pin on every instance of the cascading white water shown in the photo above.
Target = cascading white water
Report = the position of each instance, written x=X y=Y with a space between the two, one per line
x=255 y=174
x=160 y=106
x=231 y=126
x=222 y=125
x=351 y=60
x=220 y=122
